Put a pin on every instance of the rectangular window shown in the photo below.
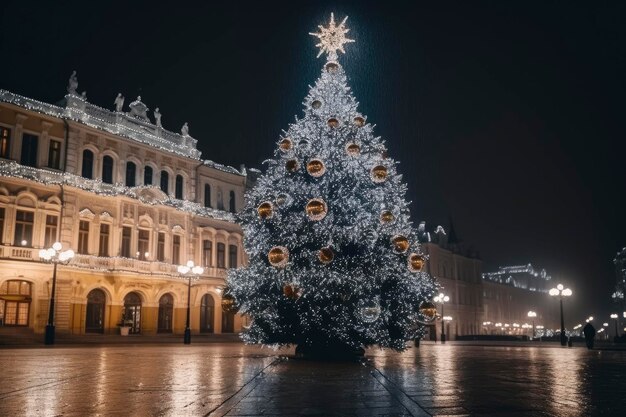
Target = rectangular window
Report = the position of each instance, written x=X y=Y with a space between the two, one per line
x=29 y=150
x=232 y=256
x=207 y=253
x=52 y=223
x=5 y=142
x=126 y=234
x=103 y=248
x=24 y=228
x=143 y=244
x=54 y=154
x=83 y=237
x=176 y=250
x=221 y=255
x=161 y=248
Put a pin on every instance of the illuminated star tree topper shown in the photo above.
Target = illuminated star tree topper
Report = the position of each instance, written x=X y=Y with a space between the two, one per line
x=332 y=38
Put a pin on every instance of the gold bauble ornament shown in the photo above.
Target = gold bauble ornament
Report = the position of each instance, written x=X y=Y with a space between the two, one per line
x=353 y=149
x=332 y=66
x=332 y=122
x=265 y=210
x=291 y=291
x=400 y=243
x=292 y=165
x=285 y=145
x=359 y=121
x=386 y=216
x=326 y=255
x=379 y=173
x=416 y=262
x=316 y=168
x=228 y=304
x=278 y=256
x=428 y=310
x=316 y=209
x=316 y=104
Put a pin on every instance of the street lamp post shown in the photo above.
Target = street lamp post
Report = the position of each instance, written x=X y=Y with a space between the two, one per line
x=190 y=271
x=56 y=256
x=442 y=298
x=532 y=315
x=614 y=316
x=561 y=292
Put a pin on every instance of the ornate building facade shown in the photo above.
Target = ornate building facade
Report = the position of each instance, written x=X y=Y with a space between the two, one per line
x=458 y=272
x=132 y=199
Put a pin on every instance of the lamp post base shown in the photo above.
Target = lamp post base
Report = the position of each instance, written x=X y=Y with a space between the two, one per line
x=443 y=338
x=187 y=337
x=563 y=340
x=49 y=338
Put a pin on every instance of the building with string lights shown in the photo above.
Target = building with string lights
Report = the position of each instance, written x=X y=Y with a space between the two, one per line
x=132 y=199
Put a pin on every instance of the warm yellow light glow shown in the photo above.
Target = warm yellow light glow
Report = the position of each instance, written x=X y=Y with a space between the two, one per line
x=332 y=38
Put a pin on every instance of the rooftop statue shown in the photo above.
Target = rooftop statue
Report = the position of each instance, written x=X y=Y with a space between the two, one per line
x=157 y=117
x=139 y=109
x=119 y=102
x=185 y=129
x=72 y=84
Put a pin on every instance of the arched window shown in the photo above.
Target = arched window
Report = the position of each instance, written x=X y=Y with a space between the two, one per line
x=207 y=307
x=232 y=202
x=87 y=171
x=165 y=181
x=207 y=195
x=131 y=171
x=179 y=187
x=147 y=175
x=95 y=311
x=107 y=169
x=166 y=313
x=132 y=312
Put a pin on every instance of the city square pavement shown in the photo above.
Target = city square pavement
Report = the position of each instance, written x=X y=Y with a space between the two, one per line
x=236 y=380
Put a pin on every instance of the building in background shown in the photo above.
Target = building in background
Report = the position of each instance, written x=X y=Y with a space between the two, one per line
x=510 y=293
x=132 y=199
x=620 y=289
x=458 y=270
x=484 y=303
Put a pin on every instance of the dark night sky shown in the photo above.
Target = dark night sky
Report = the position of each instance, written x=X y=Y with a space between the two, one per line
x=506 y=116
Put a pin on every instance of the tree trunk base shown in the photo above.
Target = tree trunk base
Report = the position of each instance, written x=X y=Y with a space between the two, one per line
x=330 y=352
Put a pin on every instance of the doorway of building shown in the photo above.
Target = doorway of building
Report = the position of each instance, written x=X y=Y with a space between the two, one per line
x=166 y=313
x=15 y=298
x=132 y=312
x=207 y=307
x=95 y=311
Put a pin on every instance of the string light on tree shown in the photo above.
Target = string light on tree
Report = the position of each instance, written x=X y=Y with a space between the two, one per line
x=334 y=260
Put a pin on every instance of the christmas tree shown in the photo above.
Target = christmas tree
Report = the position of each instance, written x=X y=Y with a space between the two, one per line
x=334 y=261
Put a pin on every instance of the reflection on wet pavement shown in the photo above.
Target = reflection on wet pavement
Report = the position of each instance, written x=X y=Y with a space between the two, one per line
x=232 y=379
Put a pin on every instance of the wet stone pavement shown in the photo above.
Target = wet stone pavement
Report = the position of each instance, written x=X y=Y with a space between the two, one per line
x=237 y=380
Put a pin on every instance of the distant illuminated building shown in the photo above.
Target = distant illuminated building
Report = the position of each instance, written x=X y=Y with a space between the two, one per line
x=512 y=291
x=523 y=276
x=480 y=301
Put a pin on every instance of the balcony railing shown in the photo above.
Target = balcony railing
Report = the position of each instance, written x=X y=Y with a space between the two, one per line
x=111 y=264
